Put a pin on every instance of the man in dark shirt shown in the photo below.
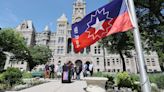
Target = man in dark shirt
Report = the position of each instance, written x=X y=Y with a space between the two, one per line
x=52 y=66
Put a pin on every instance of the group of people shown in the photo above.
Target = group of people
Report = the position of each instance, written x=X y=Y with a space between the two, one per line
x=71 y=71
x=68 y=71
x=53 y=71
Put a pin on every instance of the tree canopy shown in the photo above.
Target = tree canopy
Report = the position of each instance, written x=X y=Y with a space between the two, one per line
x=151 y=23
x=11 y=41
x=120 y=43
x=39 y=55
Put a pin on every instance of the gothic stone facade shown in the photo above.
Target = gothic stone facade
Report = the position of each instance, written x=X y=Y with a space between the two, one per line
x=62 y=48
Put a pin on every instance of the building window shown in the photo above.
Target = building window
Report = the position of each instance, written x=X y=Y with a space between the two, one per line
x=60 y=50
x=113 y=61
x=128 y=70
x=153 y=63
x=150 y=70
x=95 y=50
x=108 y=63
x=88 y=49
x=148 y=62
x=117 y=60
x=69 y=45
x=60 y=39
x=98 y=70
x=22 y=62
x=82 y=51
x=26 y=40
x=98 y=61
x=108 y=70
x=61 y=25
x=114 y=70
x=99 y=50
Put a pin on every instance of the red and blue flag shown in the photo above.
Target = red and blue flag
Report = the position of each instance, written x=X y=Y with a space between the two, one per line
x=106 y=20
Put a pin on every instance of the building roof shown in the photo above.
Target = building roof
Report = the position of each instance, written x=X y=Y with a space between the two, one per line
x=63 y=18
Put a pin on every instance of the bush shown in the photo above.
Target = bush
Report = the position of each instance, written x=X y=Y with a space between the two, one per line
x=27 y=75
x=98 y=74
x=160 y=81
x=134 y=77
x=123 y=80
x=12 y=76
x=110 y=83
x=2 y=78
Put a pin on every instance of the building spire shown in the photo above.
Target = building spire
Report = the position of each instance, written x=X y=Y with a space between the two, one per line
x=81 y=1
x=46 y=28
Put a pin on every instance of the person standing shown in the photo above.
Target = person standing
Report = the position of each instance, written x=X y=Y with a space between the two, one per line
x=59 y=70
x=78 y=70
x=91 y=68
x=85 y=70
x=47 y=72
x=66 y=78
x=52 y=68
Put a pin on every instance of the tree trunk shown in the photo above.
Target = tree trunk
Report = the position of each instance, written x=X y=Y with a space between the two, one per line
x=123 y=61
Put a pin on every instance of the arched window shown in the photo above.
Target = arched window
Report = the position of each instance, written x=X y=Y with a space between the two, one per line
x=69 y=47
x=88 y=49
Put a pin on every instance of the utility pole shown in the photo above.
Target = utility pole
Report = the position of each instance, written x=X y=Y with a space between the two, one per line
x=145 y=84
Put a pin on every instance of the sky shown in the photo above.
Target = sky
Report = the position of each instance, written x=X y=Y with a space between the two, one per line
x=41 y=12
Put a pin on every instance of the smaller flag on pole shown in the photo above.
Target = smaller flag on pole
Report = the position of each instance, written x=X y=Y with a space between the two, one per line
x=106 y=20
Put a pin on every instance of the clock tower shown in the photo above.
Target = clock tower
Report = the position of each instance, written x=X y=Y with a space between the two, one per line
x=79 y=10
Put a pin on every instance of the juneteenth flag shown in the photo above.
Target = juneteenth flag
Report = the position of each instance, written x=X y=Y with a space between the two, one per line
x=106 y=20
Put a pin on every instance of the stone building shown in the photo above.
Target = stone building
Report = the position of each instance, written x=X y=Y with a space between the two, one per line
x=62 y=48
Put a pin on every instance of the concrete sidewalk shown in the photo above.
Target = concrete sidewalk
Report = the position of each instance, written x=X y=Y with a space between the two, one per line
x=57 y=86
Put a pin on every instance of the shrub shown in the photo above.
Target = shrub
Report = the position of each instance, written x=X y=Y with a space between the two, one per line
x=2 y=78
x=134 y=77
x=12 y=76
x=160 y=81
x=110 y=82
x=98 y=74
x=157 y=79
x=123 y=80
x=27 y=75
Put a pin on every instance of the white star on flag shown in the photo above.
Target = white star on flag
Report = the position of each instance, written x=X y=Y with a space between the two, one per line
x=98 y=25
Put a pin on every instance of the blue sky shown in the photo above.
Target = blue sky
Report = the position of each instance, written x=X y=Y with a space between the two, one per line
x=41 y=12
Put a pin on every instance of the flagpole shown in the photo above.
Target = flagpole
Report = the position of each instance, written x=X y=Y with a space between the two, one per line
x=145 y=84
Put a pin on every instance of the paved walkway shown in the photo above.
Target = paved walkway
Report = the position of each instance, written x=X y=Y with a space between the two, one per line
x=57 y=86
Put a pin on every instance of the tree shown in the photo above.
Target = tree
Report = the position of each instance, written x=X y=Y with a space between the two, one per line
x=151 y=23
x=120 y=43
x=39 y=55
x=11 y=41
